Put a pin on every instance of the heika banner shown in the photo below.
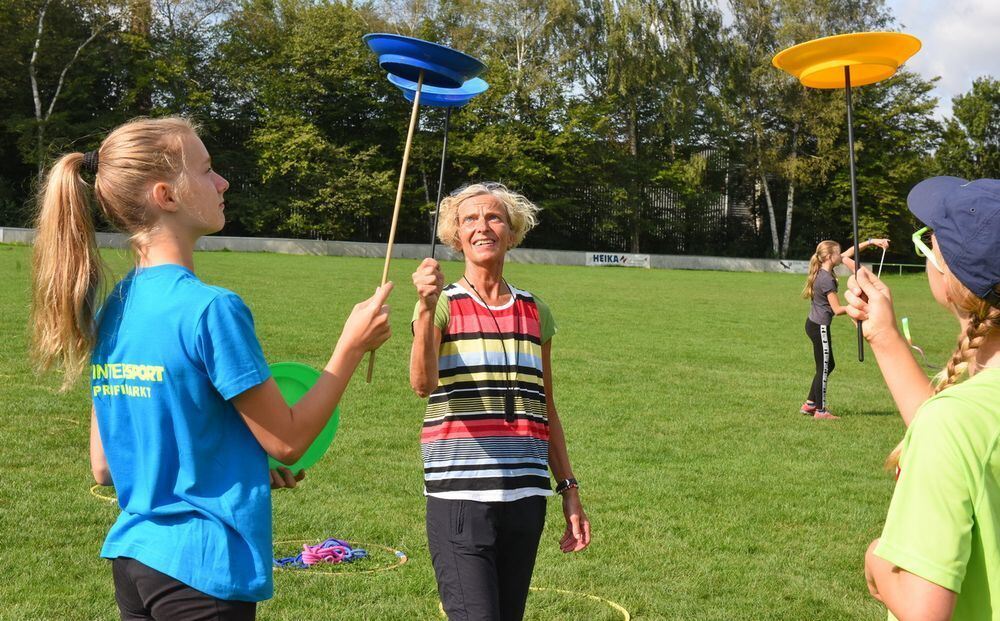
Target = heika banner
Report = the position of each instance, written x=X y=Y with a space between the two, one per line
x=618 y=258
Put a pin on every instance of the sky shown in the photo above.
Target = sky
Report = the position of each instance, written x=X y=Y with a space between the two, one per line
x=961 y=42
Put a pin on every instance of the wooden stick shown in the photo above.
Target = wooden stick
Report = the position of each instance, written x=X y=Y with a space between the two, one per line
x=414 y=114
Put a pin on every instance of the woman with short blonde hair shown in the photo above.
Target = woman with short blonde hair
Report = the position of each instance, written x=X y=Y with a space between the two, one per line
x=481 y=355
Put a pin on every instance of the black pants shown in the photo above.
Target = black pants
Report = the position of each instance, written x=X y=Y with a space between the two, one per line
x=143 y=593
x=823 y=355
x=483 y=555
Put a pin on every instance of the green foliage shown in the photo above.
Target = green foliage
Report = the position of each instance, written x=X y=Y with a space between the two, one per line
x=323 y=114
x=970 y=147
x=332 y=185
x=795 y=138
x=895 y=132
x=588 y=98
x=72 y=122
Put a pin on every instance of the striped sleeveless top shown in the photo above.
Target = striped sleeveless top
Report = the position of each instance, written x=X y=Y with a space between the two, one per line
x=470 y=451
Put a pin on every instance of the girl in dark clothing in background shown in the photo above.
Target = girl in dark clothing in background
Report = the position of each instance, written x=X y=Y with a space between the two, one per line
x=821 y=289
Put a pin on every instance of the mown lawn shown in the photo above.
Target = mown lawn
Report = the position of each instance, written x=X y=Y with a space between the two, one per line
x=711 y=497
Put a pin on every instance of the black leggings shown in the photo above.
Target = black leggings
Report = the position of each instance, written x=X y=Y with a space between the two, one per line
x=144 y=594
x=823 y=355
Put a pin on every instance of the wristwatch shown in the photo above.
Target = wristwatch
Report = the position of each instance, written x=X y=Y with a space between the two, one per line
x=566 y=484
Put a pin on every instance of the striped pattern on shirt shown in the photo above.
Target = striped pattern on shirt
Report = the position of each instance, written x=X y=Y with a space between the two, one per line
x=470 y=451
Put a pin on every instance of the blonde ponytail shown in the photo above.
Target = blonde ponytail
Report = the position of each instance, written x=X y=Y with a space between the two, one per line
x=68 y=271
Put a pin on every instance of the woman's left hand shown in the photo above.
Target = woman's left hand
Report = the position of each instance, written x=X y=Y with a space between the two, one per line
x=283 y=477
x=881 y=243
x=577 y=535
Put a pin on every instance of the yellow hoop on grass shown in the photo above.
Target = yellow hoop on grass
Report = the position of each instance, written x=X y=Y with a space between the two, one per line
x=94 y=492
x=613 y=605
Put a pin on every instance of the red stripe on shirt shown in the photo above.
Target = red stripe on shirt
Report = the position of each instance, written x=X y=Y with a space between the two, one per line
x=485 y=428
x=467 y=316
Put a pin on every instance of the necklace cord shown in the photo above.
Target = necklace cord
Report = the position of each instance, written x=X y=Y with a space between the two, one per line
x=510 y=414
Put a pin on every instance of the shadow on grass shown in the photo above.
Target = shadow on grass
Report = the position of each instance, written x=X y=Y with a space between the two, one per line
x=852 y=413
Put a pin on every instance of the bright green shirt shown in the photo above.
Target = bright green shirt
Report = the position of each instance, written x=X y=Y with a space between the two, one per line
x=944 y=519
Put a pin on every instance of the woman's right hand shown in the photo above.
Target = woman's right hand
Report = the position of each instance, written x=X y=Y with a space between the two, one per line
x=368 y=325
x=429 y=281
x=870 y=301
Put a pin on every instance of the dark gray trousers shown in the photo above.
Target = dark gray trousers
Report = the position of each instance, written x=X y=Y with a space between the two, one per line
x=483 y=555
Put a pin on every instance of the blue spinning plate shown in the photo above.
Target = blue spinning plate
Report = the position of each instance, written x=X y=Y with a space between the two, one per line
x=441 y=97
x=405 y=56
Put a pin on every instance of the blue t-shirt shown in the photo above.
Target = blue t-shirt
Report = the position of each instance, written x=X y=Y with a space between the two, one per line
x=191 y=479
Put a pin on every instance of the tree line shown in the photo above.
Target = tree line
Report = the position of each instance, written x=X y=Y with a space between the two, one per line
x=638 y=125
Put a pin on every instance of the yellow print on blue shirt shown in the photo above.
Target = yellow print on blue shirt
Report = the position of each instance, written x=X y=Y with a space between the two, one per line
x=123 y=371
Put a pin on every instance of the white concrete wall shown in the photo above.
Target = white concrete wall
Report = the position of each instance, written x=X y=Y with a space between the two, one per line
x=419 y=251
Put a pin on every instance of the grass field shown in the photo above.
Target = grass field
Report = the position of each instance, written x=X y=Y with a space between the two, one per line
x=711 y=497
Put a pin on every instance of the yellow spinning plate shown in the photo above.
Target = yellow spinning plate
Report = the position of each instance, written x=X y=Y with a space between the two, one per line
x=872 y=56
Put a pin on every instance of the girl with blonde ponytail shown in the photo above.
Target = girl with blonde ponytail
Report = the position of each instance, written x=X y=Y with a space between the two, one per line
x=185 y=411
x=939 y=553
x=821 y=290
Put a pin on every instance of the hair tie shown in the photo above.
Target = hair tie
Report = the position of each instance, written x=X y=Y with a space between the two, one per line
x=90 y=161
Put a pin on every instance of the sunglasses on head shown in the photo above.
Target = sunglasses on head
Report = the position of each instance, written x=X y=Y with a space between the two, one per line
x=922 y=247
x=489 y=185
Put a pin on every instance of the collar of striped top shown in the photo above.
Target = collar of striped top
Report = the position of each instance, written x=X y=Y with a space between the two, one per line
x=514 y=291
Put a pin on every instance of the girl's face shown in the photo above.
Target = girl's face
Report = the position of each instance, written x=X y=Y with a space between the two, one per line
x=200 y=191
x=835 y=258
x=483 y=229
x=937 y=280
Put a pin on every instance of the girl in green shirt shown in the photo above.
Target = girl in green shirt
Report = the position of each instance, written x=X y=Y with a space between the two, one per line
x=939 y=553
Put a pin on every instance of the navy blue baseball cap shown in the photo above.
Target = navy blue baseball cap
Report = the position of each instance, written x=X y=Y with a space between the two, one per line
x=965 y=216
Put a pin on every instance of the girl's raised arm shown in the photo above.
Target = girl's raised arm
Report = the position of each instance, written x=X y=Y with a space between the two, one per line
x=286 y=432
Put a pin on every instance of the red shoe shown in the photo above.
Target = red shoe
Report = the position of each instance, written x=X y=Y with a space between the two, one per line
x=825 y=415
x=807 y=409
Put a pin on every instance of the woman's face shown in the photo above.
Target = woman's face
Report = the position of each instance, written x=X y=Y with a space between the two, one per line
x=201 y=191
x=483 y=229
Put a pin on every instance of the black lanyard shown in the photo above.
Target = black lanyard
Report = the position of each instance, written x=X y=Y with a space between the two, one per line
x=510 y=412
